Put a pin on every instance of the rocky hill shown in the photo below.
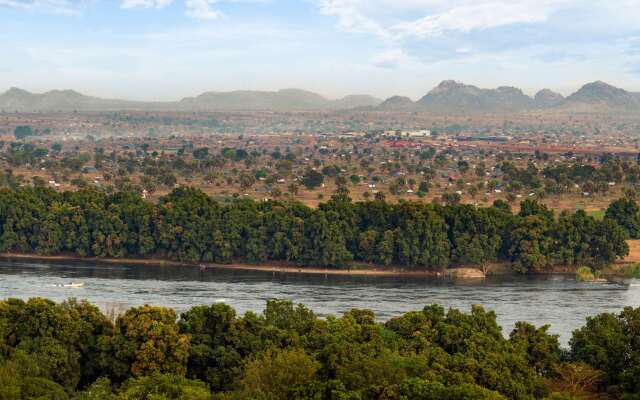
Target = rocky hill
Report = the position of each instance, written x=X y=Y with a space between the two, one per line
x=398 y=103
x=548 y=99
x=454 y=97
x=601 y=93
x=451 y=97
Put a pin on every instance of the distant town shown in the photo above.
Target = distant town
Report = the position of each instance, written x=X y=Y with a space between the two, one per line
x=568 y=160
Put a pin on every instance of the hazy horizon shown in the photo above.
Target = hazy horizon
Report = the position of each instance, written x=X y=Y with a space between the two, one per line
x=169 y=49
x=531 y=92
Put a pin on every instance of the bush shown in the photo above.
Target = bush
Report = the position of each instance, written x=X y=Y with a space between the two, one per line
x=585 y=274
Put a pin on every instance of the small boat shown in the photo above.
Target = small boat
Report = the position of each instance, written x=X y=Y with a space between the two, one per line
x=73 y=285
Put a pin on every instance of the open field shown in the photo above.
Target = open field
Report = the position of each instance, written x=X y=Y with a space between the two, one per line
x=634 y=251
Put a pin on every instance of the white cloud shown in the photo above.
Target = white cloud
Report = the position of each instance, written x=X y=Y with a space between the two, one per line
x=145 y=3
x=65 y=7
x=391 y=59
x=199 y=9
x=351 y=16
x=202 y=9
x=390 y=19
x=477 y=15
x=14 y=4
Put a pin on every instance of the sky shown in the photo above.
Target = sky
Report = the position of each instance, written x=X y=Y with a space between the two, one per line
x=169 y=49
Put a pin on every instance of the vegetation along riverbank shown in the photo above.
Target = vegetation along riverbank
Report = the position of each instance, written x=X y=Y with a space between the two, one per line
x=70 y=350
x=284 y=268
x=187 y=226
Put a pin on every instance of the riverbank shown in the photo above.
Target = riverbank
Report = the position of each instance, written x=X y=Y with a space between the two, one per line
x=451 y=273
x=355 y=269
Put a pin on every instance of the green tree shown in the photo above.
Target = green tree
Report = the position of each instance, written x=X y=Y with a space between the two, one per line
x=22 y=131
x=312 y=179
x=529 y=242
x=163 y=387
x=541 y=348
x=626 y=213
x=146 y=341
x=610 y=343
x=277 y=373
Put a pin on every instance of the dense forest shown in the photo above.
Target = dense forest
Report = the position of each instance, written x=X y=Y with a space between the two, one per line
x=70 y=350
x=187 y=225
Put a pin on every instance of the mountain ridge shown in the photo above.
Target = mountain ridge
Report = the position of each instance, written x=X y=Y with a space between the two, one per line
x=448 y=97
x=20 y=100
x=281 y=100
x=457 y=97
x=452 y=96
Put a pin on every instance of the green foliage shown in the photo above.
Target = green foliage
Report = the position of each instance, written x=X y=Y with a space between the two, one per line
x=610 y=342
x=312 y=179
x=69 y=350
x=585 y=274
x=626 y=213
x=22 y=131
x=163 y=387
x=60 y=339
x=201 y=153
x=99 y=390
x=530 y=242
x=21 y=377
x=42 y=389
x=631 y=271
x=188 y=225
x=419 y=389
x=146 y=341
x=274 y=375
x=541 y=348
x=219 y=342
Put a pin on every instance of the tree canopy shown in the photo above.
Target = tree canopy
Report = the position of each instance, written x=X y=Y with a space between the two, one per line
x=70 y=350
x=187 y=225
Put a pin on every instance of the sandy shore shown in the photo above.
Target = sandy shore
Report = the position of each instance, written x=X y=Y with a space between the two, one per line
x=459 y=273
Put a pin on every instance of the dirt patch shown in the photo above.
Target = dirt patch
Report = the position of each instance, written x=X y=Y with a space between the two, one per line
x=634 y=252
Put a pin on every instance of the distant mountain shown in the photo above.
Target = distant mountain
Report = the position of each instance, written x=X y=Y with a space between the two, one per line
x=448 y=97
x=456 y=97
x=601 y=93
x=548 y=99
x=15 y=98
x=453 y=97
x=20 y=100
x=355 y=101
x=282 y=100
x=288 y=99
x=398 y=103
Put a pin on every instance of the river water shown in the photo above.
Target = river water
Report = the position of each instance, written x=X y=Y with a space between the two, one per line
x=556 y=300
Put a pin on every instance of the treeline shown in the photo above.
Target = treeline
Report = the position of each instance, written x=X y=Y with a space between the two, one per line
x=589 y=176
x=188 y=225
x=71 y=350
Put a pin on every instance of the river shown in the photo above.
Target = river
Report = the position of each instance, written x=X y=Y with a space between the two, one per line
x=556 y=300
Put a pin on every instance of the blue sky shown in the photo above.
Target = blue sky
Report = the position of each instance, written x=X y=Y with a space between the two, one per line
x=168 y=49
